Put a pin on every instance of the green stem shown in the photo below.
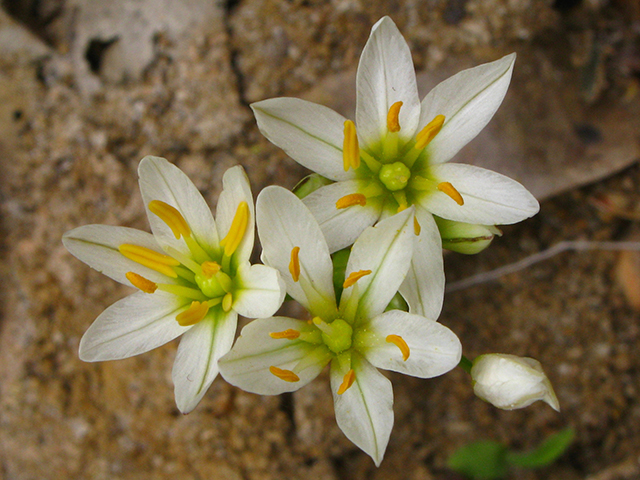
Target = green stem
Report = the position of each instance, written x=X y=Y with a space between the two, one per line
x=465 y=364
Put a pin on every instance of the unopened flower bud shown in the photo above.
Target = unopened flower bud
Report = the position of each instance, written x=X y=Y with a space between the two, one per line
x=467 y=238
x=509 y=382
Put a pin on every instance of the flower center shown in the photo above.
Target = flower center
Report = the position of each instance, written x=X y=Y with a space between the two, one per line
x=198 y=277
x=394 y=176
x=335 y=335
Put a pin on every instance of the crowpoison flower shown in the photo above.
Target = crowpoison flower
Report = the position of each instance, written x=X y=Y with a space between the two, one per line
x=356 y=336
x=193 y=276
x=395 y=155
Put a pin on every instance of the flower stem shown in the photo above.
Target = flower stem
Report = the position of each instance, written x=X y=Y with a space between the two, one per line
x=465 y=364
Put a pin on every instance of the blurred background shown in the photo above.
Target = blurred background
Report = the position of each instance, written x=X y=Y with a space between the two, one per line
x=88 y=88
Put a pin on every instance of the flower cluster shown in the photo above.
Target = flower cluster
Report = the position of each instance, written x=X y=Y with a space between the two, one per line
x=384 y=191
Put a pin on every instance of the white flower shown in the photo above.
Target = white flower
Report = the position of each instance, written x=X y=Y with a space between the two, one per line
x=397 y=155
x=356 y=336
x=509 y=382
x=193 y=274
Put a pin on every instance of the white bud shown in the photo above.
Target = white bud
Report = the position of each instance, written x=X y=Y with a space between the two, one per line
x=509 y=382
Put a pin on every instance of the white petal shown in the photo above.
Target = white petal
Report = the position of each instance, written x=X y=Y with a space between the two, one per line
x=434 y=349
x=311 y=134
x=259 y=292
x=468 y=101
x=97 y=246
x=284 y=223
x=196 y=364
x=236 y=189
x=489 y=197
x=247 y=364
x=136 y=324
x=365 y=411
x=341 y=226
x=386 y=250
x=385 y=76
x=423 y=287
x=161 y=180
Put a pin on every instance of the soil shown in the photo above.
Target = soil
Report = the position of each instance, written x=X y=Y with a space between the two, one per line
x=73 y=127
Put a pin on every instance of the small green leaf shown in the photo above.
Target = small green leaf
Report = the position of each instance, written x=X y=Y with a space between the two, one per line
x=485 y=460
x=546 y=453
x=340 y=260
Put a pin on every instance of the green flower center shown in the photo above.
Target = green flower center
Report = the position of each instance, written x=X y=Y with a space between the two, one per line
x=394 y=176
x=337 y=335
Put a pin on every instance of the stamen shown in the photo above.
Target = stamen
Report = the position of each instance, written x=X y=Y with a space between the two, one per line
x=294 y=264
x=286 y=375
x=350 y=147
x=227 y=302
x=192 y=315
x=354 y=277
x=209 y=269
x=448 y=189
x=416 y=226
x=399 y=342
x=347 y=381
x=172 y=217
x=289 y=334
x=351 y=200
x=147 y=286
x=429 y=132
x=150 y=258
x=237 y=229
x=393 y=125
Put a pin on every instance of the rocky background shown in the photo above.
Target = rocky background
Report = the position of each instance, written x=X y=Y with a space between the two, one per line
x=88 y=88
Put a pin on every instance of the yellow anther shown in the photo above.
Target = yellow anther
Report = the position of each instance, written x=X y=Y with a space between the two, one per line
x=393 y=124
x=289 y=334
x=448 y=189
x=192 y=315
x=147 y=286
x=416 y=226
x=399 y=342
x=227 y=302
x=429 y=132
x=294 y=264
x=172 y=217
x=237 y=229
x=209 y=269
x=351 y=200
x=347 y=381
x=350 y=147
x=150 y=258
x=286 y=375
x=354 y=277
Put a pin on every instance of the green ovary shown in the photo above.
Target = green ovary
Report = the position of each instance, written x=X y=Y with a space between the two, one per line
x=214 y=286
x=394 y=176
x=336 y=335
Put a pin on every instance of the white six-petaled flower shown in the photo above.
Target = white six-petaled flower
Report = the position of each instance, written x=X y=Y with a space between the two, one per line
x=396 y=157
x=356 y=336
x=193 y=274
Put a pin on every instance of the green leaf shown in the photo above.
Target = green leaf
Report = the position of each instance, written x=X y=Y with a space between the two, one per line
x=340 y=260
x=485 y=460
x=310 y=184
x=546 y=453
